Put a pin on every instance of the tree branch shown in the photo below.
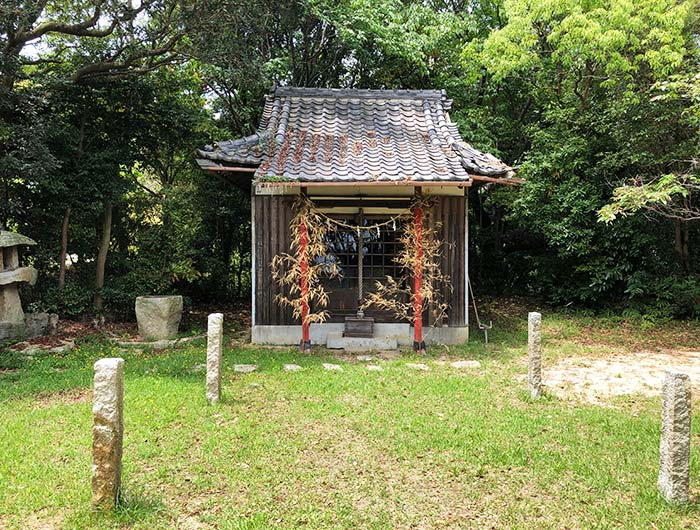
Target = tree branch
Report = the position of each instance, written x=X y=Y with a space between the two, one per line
x=81 y=29
x=127 y=63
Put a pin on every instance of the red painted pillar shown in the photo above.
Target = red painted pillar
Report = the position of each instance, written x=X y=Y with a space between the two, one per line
x=418 y=344
x=303 y=255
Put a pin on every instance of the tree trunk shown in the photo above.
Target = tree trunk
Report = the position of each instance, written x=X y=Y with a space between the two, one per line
x=239 y=273
x=686 y=247
x=682 y=244
x=64 y=250
x=102 y=256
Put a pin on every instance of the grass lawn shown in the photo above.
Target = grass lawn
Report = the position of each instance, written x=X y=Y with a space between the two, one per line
x=399 y=448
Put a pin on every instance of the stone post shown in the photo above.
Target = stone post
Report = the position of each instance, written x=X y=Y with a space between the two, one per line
x=674 y=466
x=107 y=432
x=534 y=351
x=215 y=333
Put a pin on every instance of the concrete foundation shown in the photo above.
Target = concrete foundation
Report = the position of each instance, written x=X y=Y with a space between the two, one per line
x=336 y=341
x=402 y=333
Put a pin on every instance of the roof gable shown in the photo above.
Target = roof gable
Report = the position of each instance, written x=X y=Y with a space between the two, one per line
x=337 y=135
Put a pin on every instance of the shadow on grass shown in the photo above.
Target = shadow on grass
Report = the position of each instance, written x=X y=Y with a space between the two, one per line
x=135 y=505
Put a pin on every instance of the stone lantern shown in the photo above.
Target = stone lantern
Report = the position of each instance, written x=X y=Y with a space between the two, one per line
x=12 y=322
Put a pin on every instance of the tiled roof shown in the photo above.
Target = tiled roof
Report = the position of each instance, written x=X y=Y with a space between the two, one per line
x=336 y=135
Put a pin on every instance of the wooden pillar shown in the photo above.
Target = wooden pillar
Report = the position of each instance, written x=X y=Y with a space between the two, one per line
x=418 y=343
x=360 y=264
x=305 y=345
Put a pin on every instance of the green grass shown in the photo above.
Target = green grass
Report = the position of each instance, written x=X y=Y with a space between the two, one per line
x=355 y=449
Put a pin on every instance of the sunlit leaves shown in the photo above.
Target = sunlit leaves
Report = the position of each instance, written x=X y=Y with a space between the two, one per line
x=610 y=41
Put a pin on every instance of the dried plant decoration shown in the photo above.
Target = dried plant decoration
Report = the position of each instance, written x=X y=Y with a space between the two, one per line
x=397 y=294
x=300 y=273
x=309 y=262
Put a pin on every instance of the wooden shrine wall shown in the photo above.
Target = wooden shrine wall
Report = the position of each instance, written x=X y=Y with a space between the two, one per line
x=273 y=214
x=449 y=214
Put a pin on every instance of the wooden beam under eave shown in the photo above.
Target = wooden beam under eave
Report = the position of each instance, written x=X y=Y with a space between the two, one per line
x=511 y=181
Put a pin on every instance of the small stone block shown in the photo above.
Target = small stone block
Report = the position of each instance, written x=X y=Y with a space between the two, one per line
x=197 y=368
x=374 y=368
x=244 y=368
x=418 y=366
x=158 y=317
x=292 y=368
x=333 y=367
x=674 y=461
x=364 y=358
x=465 y=364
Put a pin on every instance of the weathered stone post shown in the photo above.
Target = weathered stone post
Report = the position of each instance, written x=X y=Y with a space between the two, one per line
x=107 y=432
x=215 y=333
x=674 y=466
x=534 y=351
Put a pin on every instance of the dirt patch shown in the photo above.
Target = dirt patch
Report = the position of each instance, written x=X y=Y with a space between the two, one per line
x=596 y=380
x=66 y=397
x=41 y=521
x=69 y=330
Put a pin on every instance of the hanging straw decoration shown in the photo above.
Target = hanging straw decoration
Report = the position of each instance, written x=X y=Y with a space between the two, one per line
x=356 y=228
x=395 y=294
x=287 y=268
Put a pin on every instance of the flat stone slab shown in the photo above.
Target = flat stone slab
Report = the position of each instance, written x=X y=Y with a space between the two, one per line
x=198 y=368
x=244 y=368
x=32 y=349
x=364 y=358
x=292 y=368
x=336 y=341
x=418 y=366
x=333 y=367
x=21 y=274
x=465 y=364
x=374 y=368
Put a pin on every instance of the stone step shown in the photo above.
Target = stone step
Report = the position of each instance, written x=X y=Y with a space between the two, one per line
x=336 y=341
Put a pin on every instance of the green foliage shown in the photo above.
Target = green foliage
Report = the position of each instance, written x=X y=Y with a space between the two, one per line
x=597 y=103
x=587 y=76
x=675 y=296
x=628 y=200
x=672 y=195
x=72 y=302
